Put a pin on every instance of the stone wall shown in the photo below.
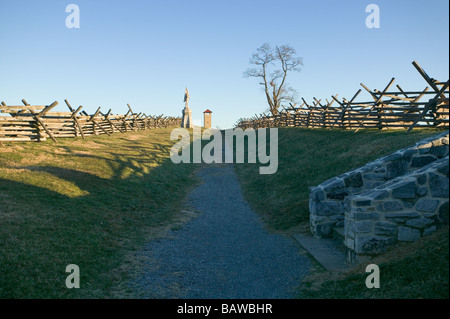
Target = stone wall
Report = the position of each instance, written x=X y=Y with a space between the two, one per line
x=403 y=209
x=401 y=196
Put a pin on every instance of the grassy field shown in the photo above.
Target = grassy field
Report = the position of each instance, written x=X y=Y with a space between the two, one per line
x=309 y=157
x=95 y=202
x=90 y=202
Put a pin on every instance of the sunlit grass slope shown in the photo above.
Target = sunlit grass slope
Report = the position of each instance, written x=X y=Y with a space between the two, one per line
x=90 y=202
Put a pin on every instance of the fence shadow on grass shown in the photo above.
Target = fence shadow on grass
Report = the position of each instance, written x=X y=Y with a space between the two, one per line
x=43 y=230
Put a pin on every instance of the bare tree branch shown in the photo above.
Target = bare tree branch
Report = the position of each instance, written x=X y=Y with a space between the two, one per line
x=281 y=58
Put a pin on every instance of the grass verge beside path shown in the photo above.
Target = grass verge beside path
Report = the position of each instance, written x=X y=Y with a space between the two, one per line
x=308 y=157
x=89 y=202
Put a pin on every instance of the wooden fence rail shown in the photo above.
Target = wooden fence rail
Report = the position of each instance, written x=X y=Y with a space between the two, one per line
x=38 y=122
x=388 y=109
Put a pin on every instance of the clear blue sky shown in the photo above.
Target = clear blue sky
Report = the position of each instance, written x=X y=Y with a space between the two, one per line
x=146 y=52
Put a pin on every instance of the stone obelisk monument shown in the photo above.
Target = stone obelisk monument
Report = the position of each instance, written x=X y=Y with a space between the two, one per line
x=186 y=120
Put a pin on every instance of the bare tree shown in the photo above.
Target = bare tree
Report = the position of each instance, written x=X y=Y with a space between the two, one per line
x=272 y=66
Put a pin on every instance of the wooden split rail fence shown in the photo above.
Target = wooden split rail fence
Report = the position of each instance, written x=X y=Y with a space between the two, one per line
x=387 y=109
x=37 y=123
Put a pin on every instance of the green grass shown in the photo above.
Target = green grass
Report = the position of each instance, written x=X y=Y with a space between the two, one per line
x=90 y=202
x=95 y=202
x=309 y=157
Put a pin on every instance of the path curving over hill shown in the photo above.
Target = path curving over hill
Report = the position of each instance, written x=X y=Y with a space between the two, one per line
x=225 y=252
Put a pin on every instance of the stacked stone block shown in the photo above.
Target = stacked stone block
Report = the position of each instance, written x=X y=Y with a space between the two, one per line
x=402 y=196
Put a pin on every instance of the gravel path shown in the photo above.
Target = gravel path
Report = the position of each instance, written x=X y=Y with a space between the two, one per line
x=225 y=252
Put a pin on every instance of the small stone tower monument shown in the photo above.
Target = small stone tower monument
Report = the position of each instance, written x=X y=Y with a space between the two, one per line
x=207 y=119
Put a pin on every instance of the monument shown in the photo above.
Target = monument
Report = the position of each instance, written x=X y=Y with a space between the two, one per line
x=186 y=120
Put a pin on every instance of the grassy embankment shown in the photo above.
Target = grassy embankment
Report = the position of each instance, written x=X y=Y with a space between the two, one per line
x=90 y=202
x=309 y=157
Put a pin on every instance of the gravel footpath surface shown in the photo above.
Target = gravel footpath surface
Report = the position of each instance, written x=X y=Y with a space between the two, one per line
x=225 y=252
